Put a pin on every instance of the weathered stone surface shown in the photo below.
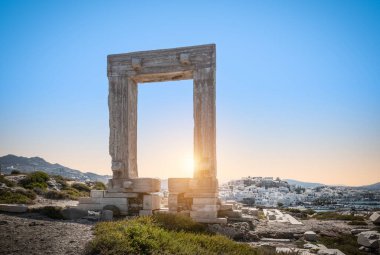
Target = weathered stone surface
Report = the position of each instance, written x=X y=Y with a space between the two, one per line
x=73 y=213
x=369 y=239
x=375 y=217
x=231 y=214
x=330 y=252
x=13 y=208
x=90 y=207
x=97 y=193
x=356 y=231
x=205 y=201
x=126 y=70
x=103 y=200
x=151 y=202
x=178 y=185
x=146 y=185
x=120 y=194
x=250 y=211
x=225 y=207
x=310 y=236
x=106 y=215
x=205 y=207
x=202 y=194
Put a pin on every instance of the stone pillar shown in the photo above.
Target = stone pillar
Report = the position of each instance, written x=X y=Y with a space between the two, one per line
x=204 y=123
x=122 y=103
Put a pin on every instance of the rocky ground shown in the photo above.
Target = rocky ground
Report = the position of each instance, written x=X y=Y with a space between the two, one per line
x=287 y=231
x=31 y=233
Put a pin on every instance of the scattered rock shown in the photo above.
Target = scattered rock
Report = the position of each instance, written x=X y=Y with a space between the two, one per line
x=375 y=218
x=311 y=246
x=237 y=231
x=356 y=231
x=3 y=222
x=72 y=213
x=310 y=236
x=369 y=239
x=330 y=252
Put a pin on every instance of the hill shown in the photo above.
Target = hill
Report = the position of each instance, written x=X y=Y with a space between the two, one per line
x=304 y=184
x=375 y=186
x=27 y=165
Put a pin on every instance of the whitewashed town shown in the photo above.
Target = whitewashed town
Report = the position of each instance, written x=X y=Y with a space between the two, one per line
x=274 y=192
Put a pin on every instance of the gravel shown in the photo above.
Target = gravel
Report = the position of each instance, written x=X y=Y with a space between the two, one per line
x=32 y=233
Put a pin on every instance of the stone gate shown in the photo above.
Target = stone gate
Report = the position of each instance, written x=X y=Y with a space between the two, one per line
x=197 y=195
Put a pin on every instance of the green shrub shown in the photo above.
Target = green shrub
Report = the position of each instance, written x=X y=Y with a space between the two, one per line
x=178 y=223
x=54 y=194
x=337 y=216
x=74 y=194
x=144 y=236
x=15 y=172
x=99 y=186
x=6 y=181
x=17 y=196
x=61 y=180
x=36 y=179
x=81 y=187
x=357 y=223
x=302 y=214
x=345 y=242
x=53 y=212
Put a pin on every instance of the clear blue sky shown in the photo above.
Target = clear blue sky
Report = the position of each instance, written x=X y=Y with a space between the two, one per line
x=298 y=85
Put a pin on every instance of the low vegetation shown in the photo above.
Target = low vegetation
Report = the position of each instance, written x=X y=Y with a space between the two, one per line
x=338 y=216
x=99 y=186
x=37 y=183
x=357 y=223
x=7 y=182
x=53 y=212
x=346 y=243
x=169 y=234
x=36 y=179
x=16 y=196
x=302 y=214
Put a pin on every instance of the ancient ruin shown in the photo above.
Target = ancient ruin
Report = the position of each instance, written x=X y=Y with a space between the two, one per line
x=131 y=194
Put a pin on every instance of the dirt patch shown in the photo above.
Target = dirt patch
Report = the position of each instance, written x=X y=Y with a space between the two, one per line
x=31 y=233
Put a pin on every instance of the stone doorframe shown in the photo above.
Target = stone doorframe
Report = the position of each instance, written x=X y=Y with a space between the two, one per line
x=125 y=71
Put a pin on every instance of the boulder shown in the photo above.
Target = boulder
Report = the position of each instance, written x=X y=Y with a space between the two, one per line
x=72 y=213
x=13 y=208
x=330 y=252
x=369 y=239
x=375 y=218
x=310 y=236
x=311 y=246
x=106 y=215
x=356 y=231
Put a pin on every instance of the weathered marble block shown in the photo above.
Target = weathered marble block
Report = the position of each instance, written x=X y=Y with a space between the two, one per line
x=205 y=201
x=201 y=195
x=178 y=185
x=96 y=193
x=205 y=207
x=146 y=185
x=151 y=202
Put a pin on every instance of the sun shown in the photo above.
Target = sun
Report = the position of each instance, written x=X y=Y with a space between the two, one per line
x=188 y=165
